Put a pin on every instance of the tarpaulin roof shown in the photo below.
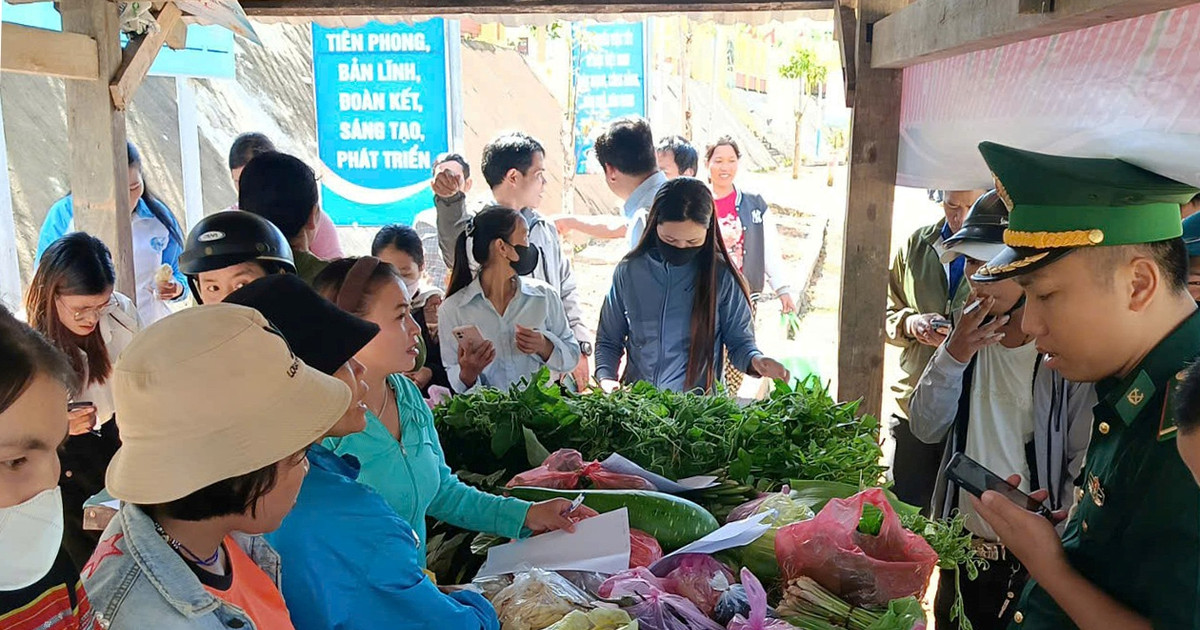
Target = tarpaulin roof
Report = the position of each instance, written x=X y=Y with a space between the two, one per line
x=1125 y=89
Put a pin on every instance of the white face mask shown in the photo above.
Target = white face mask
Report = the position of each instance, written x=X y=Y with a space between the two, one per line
x=30 y=538
x=413 y=288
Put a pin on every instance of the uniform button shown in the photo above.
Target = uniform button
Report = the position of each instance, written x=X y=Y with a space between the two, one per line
x=68 y=474
x=1182 y=375
x=1078 y=494
x=1085 y=527
x=236 y=623
x=1104 y=428
x=1019 y=617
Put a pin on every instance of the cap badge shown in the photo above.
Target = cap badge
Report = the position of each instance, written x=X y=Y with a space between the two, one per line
x=208 y=237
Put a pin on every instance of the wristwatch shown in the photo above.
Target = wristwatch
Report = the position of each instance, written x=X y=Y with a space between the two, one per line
x=585 y=348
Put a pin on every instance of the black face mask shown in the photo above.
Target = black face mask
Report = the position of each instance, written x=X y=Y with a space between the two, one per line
x=677 y=256
x=528 y=260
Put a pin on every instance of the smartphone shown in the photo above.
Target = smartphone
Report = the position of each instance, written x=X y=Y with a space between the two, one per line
x=468 y=335
x=79 y=404
x=942 y=325
x=974 y=478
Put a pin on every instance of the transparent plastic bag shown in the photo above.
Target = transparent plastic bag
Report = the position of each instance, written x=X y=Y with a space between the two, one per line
x=864 y=570
x=598 y=619
x=655 y=608
x=756 y=596
x=537 y=599
x=785 y=503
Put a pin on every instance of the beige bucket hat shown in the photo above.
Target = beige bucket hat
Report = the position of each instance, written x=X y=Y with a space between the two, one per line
x=210 y=393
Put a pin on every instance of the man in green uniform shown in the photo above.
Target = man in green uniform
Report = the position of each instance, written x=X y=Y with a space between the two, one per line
x=1096 y=245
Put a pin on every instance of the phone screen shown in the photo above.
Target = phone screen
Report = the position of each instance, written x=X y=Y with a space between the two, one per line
x=976 y=479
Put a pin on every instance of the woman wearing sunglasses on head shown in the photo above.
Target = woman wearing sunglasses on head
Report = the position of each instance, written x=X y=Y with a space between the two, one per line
x=71 y=301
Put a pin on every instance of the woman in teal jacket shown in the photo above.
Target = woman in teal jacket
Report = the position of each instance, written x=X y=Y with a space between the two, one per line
x=399 y=451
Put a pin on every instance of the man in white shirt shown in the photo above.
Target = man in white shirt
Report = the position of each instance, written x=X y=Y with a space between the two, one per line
x=986 y=394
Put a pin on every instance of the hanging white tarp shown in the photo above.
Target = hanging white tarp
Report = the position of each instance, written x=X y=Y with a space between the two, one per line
x=1128 y=89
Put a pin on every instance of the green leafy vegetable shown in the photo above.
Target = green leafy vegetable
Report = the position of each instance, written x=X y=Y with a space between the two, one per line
x=872 y=520
x=798 y=432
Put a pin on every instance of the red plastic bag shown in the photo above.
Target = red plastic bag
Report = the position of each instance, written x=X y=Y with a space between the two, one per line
x=657 y=608
x=701 y=579
x=563 y=469
x=644 y=549
x=864 y=570
x=757 y=596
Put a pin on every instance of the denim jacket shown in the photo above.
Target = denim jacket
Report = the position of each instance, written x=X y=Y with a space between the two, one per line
x=135 y=581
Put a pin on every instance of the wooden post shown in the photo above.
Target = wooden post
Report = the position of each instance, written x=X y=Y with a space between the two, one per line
x=685 y=71
x=99 y=165
x=10 y=271
x=874 y=144
x=189 y=153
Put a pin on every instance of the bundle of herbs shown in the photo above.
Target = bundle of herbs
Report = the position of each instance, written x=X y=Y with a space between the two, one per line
x=798 y=432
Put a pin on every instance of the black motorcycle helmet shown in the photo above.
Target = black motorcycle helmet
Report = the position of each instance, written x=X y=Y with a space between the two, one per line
x=227 y=238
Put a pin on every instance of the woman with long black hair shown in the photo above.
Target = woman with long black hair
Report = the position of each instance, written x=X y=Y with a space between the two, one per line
x=72 y=303
x=677 y=304
x=516 y=324
x=157 y=243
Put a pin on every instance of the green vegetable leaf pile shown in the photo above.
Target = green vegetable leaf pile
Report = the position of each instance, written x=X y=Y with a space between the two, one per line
x=799 y=432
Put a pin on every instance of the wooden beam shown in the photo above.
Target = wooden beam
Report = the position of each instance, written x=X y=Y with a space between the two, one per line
x=139 y=55
x=928 y=30
x=177 y=37
x=874 y=145
x=30 y=50
x=99 y=168
x=845 y=31
x=316 y=8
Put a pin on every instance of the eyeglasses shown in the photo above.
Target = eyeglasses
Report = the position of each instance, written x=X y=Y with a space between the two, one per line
x=92 y=312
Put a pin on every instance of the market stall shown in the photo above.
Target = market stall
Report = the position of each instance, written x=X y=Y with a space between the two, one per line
x=693 y=513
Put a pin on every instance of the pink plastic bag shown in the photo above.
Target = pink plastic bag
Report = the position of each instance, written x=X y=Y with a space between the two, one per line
x=864 y=570
x=657 y=609
x=757 y=596
x=564 y=468
x=644 y=549
x=701 y=579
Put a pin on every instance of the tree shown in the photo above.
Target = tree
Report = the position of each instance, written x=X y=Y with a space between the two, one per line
x=809 y=73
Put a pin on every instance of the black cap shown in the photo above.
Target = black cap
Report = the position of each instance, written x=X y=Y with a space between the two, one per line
x=227 y=238
x=321 y=334
x=985 y=222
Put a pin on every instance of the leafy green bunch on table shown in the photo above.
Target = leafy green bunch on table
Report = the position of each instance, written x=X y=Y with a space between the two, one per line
x=798 y=432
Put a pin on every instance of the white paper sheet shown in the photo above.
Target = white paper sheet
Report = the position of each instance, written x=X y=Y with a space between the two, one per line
x=736 y=534
x=600 y=544
x=617 y=463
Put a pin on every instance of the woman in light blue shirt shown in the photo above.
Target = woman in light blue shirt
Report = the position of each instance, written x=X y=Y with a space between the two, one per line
x=520 y=320
x=399 y=451
x=157 y=241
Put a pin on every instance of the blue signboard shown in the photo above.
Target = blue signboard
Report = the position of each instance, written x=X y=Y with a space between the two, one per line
x=610 y=82
x=209 y=51
x=382 y=118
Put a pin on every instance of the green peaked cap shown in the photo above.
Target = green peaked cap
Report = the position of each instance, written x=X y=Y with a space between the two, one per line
x=1059 y=203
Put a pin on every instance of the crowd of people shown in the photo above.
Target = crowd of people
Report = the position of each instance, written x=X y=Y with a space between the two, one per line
x=285 y=420
x=1069 y=378
x=273 y=447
